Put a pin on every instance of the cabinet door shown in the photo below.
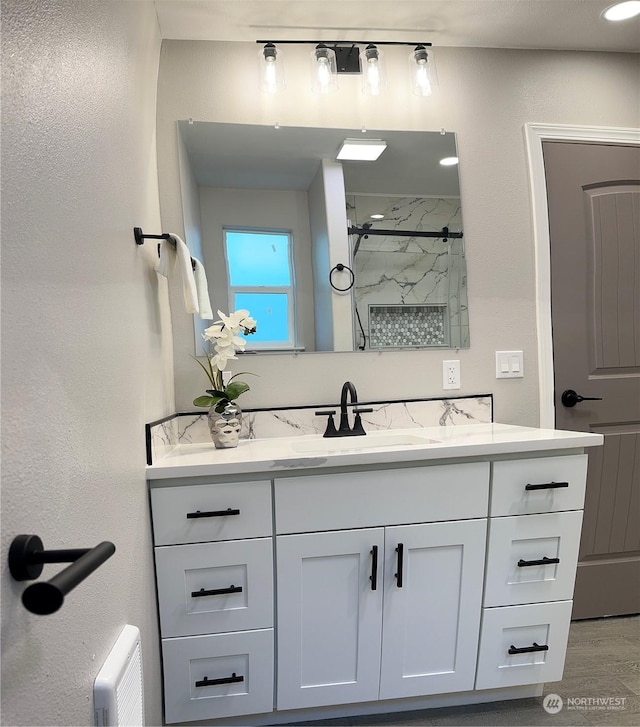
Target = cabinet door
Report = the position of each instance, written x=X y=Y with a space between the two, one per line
x=329 y=617
x=432 y=607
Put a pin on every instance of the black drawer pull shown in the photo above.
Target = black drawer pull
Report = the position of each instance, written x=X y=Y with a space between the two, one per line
x=400 y=552
x=374 y=567
x=542 y=561
x=216 y=591
x=213 y=513
x=547 y=486
x=528 y=649
x=206 y=682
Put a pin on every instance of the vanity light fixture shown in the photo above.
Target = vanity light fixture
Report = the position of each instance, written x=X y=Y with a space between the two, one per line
x=324 y=72
x=332 y=58
x=271 y=68
x=361 y=149
x=622 y=11
x=449 y=161
x=373 y=77
x=422 y=71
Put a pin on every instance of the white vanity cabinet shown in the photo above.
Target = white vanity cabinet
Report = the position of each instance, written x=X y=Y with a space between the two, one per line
x=215 y=598
x=534 y=536
x=297 y=588
x=379 y=612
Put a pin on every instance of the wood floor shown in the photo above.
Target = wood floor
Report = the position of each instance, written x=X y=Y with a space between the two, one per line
x=603 y=660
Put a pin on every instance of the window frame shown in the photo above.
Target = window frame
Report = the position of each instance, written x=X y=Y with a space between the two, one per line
x=290 y=290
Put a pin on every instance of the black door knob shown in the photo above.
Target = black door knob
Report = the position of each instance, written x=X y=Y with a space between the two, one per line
x=571 y=398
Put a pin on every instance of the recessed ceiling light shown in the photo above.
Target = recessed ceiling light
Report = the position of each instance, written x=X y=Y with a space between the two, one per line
x=377 y=217
x=361 y=149
x=449 y=161
x=622 y=11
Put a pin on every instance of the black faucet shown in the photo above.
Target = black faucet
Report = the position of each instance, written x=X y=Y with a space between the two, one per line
x=344 y=430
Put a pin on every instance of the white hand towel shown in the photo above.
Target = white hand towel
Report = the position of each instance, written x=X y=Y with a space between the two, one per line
x=202 y=288
x=183 y=260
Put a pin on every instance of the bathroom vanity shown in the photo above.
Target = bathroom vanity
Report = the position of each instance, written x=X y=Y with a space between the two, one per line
x=304 y=578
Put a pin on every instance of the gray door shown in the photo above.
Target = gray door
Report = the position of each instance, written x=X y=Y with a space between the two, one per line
x=593 y=194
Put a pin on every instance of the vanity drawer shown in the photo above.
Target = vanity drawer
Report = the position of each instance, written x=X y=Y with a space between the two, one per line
x=382 y=497
x=215 y=587
x=238 y=665
x=200 y=513
x=545 y=484
x=514 y=572
x=525 y=630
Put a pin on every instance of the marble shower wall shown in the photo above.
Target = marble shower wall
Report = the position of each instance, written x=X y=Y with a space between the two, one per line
x=192 y=428
x=409 y=291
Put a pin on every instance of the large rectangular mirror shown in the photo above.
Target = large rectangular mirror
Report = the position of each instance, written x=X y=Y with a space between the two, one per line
x=328 y=254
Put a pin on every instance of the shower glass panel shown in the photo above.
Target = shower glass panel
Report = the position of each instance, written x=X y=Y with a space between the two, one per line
x=410 y=291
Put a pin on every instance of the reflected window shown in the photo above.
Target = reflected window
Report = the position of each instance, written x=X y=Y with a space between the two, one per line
x=261 y=280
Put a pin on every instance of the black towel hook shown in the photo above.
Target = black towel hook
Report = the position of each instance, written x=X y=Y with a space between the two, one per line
x=26 y=558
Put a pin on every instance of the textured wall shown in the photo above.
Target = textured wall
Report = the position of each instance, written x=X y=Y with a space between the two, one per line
x=86 y=338
x=486 y=96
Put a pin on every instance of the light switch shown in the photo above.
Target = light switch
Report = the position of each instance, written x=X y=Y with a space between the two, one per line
x=509 y=364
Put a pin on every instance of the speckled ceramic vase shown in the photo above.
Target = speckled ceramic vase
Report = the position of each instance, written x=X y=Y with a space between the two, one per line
x=224 y=426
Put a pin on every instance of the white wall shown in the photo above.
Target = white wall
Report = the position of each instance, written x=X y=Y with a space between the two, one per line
x=486 y=96
x=86 y=338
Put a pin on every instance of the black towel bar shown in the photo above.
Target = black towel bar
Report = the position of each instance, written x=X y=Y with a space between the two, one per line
x=26 y=558
x=140 y=237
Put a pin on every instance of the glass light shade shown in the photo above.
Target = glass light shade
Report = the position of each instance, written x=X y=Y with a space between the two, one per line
x=324 y=72
x=373 y=71
x=271 y=69
x=422 y=71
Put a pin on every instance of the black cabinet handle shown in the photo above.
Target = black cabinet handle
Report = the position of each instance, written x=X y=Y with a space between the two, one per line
x=542 y=561
x=547 y=486
x=527 y=649
x=400 y=552
x=216 y=591
x=213 y=513
x=206 y=682
x=374 y=567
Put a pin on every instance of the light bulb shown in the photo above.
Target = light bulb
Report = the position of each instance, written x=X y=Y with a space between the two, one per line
x=324 y=69
x=372 y=76
x=420 y=71
x=271 y=69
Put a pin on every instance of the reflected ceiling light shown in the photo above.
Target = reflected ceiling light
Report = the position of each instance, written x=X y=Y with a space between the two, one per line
x=622 y=11
x=422 y=71
x=373 y=71
x=271 y=69
x=449 y=161
x=331 y=58
x=377 y=217
x=361 y=149
x=324 y=71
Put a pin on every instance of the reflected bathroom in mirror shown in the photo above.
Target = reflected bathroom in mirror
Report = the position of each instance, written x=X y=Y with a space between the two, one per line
x=369 y=254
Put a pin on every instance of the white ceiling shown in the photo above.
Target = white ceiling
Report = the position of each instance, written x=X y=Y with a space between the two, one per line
x=551 y=24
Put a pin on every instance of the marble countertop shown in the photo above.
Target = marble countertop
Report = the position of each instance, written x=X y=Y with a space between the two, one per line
x=309 y=452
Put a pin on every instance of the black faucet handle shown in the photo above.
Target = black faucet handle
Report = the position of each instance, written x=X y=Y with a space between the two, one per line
x=330 y=431
x=362 y=411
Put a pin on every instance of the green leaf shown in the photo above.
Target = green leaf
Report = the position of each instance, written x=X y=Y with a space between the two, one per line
x=234 y=390
x=217 y=393
x=205 y=401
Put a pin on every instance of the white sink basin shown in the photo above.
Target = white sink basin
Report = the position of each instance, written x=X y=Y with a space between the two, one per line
x=351 y=444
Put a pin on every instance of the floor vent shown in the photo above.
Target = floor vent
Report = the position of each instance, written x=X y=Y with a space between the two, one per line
x=118 y=689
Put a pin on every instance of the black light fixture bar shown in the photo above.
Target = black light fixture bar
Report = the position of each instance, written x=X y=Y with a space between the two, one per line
x=344 y=42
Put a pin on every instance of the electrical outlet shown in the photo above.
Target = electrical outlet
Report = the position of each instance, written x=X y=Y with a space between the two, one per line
x=451 y=374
